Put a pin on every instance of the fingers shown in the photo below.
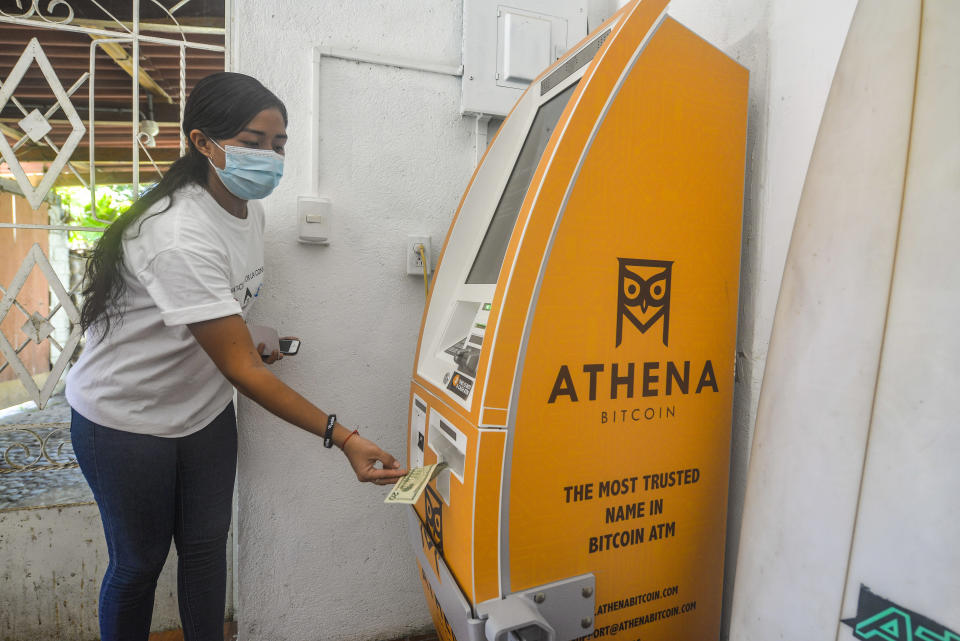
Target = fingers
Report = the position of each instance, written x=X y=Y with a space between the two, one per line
x=266 y=358
x=388 y=461
x=364 y=455
x=382 y=477
x=391 y=465
x=273 y=357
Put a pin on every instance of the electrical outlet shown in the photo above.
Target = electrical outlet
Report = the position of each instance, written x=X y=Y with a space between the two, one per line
x=414 y=261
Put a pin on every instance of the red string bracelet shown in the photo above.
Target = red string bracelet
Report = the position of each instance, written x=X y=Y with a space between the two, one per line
x=352 y=434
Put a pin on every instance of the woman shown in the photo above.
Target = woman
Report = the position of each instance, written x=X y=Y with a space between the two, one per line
x=153 y=424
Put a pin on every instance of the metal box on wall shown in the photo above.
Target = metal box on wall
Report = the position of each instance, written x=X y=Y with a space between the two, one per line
x=506 y=46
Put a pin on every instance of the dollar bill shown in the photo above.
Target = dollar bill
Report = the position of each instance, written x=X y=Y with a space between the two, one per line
x=410 y=487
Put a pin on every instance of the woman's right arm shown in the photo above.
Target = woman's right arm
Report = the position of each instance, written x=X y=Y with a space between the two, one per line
x=227 y=341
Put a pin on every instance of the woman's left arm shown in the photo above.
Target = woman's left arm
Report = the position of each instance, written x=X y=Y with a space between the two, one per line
x=228 y=343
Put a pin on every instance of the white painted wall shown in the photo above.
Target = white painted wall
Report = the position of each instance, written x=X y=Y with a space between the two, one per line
x=320 y=557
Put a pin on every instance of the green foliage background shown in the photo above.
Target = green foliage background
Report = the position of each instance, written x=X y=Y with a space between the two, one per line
x=112 y=200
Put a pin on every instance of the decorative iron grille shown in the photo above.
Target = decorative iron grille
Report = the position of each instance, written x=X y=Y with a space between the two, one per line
x=67 y=67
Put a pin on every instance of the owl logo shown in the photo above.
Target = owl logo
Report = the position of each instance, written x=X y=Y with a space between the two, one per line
x=644 y=296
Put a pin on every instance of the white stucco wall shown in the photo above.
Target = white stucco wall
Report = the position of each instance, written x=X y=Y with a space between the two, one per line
x=320 y=557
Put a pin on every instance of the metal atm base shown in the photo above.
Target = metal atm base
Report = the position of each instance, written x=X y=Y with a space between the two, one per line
x=557 y=611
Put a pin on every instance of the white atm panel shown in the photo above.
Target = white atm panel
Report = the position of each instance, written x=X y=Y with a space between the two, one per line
x=418 y=430
x=450 y=446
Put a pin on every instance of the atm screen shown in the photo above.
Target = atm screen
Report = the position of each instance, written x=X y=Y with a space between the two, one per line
x=486 y=267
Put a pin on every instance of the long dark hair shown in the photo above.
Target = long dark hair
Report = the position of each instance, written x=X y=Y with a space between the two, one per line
x=220 y=106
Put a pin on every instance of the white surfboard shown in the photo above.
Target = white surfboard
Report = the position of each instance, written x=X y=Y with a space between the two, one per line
x=851 y=528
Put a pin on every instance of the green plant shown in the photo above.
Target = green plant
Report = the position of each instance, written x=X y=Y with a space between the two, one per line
x=112 y=200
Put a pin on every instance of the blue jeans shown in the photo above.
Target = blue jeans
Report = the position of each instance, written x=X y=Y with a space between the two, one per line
x=150 y=490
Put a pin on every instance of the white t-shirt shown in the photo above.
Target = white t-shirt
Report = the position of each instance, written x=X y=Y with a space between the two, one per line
x=191 y=263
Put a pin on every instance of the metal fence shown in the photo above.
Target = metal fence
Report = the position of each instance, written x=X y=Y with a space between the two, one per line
x=61 y=60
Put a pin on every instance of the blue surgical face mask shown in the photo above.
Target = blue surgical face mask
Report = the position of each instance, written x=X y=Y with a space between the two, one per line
x=249 y=174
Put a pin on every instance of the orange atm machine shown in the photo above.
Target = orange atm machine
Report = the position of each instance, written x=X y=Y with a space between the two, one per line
x=576 y=358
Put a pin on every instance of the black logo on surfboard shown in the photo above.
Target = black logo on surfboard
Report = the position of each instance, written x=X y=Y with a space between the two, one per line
x=644 y=296
x=881 y=620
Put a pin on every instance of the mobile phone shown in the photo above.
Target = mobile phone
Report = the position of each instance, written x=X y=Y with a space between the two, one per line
x=289 y=346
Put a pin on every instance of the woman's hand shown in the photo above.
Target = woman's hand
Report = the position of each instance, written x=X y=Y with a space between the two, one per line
x=228 y=343
x=364 y=455
x=269 y=358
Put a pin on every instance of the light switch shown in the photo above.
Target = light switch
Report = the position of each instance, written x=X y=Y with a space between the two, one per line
x=314 y=220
